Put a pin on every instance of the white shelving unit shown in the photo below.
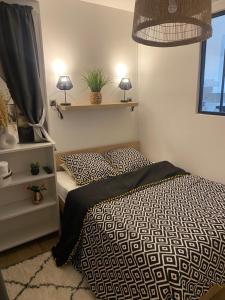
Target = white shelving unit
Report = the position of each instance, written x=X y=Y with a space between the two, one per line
x=21 y=220
x=25 y=177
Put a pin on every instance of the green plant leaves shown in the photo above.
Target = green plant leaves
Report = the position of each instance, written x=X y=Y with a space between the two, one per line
x=95 y=80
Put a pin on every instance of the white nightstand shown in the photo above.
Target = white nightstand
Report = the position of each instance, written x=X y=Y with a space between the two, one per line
x=20 y=220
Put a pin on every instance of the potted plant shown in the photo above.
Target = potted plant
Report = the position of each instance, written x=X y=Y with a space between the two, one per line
x=95 y=81
x=37 y=192
x=34 y=168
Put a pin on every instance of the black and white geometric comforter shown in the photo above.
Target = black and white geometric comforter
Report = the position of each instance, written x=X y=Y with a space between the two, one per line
x=164 y=242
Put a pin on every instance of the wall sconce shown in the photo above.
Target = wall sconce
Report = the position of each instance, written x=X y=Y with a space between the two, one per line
x=121 y=71
x=64 y=84
x=59 y=67
x=125 y=85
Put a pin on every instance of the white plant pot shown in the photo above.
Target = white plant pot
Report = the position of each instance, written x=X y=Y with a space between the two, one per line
x=7 y=140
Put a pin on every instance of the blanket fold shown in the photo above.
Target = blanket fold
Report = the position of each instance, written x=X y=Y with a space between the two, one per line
x=80 y=201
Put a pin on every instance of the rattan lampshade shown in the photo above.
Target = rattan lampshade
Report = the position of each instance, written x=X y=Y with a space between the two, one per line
x=168 y=23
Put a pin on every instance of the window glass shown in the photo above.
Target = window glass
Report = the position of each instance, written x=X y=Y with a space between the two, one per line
x=212 y=88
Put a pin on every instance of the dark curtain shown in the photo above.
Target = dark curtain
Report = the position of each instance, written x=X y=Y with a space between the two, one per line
x=19 y=58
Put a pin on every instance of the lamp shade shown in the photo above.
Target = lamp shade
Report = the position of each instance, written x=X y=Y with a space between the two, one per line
x=64 y=83
x=168 y=23
x=125 y=84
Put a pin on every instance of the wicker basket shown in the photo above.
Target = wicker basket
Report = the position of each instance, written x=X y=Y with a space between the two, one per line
x=96 y=98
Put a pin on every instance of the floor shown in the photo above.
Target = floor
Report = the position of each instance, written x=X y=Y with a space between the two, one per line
x=24 y=282
x=28 y=250
x=38 y=278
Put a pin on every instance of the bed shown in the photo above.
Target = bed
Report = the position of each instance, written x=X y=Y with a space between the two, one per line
x=156 y=233
x=65 y=183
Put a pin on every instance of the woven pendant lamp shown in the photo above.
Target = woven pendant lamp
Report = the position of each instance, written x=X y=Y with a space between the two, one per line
x=169 y=23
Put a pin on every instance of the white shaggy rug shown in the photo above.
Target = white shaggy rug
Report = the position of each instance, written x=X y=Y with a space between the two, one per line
x=38 y=278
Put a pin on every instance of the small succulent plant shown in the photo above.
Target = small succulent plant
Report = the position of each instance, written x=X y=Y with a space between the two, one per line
x=34 y=168
x=37 y=188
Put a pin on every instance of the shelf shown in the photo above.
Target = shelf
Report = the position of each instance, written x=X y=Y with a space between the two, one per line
x=24 y=177
x=29 y=226
x=18 y=208
x=26 y=147
x=21 y=220
x=106 y=105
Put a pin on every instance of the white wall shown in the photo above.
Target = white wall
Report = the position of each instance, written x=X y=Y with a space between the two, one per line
x=170 y=127
x=84 y=36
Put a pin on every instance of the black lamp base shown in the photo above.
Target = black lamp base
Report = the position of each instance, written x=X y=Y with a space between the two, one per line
x=65 y=104
x=124 y=101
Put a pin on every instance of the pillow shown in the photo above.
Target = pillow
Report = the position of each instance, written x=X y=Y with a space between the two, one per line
x=126 y=160
x=87 y=167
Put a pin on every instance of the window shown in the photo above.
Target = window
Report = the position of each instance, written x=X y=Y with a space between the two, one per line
x=212 y=83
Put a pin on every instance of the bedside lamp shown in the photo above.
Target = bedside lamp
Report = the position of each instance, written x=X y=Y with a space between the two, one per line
x=125 y=85
x=64 y=84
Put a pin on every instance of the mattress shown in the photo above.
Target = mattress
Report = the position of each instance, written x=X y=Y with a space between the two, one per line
x=65 y=184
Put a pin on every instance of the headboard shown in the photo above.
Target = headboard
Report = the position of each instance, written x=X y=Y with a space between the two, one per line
x=135 y=145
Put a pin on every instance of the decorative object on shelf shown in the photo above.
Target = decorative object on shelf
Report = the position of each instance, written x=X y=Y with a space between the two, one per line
x=5 y=173
x=64 y=84
x=12 y=113
x=4 y=168
x=125 y=85
x=95 y=81
x=7 y=140
x=35 y=168
x=4 y=91
x=8 y=115
x=47 y=169
x=37 y=192
x=169 y=23
x=96 y=98
x=4 y=120
x=12 y=116
x=25 y=131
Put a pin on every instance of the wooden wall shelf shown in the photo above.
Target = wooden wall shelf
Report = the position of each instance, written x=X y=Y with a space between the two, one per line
x=79 y=106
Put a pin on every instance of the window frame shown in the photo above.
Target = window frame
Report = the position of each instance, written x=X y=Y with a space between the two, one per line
x=202 y=74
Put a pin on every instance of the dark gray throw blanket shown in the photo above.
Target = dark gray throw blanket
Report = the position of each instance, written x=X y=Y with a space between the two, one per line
x=79 y=201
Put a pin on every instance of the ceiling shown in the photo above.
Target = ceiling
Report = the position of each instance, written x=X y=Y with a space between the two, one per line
x=123 y=4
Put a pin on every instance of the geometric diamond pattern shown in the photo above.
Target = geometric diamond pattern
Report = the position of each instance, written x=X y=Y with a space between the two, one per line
x=126 y=159
x=87 y=167
x=38 y=278
x=164 y=242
